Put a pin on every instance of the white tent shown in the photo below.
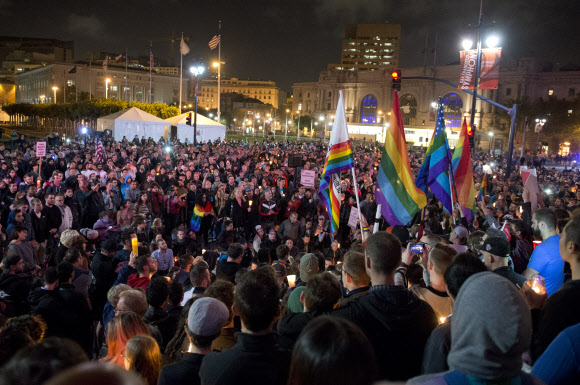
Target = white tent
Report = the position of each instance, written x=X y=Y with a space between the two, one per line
x=207 y=129
x=133 y=121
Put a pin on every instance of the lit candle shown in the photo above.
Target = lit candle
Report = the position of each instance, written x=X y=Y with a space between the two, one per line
x=135 y=245
x=291 y=280
x=250 y=203
x=203 y=251
x=442 y=320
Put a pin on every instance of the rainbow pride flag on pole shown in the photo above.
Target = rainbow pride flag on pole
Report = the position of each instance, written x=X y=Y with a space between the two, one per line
x=395 y=191
x=338 y=159
x=463 y=171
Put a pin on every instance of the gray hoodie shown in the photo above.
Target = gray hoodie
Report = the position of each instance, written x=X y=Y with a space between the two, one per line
x=491 y=328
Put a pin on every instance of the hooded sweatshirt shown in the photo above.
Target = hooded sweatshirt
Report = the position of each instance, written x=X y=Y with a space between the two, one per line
x=138 y=282
x=491 y=348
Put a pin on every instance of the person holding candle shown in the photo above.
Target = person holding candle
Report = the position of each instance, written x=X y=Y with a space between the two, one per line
x=559 y=311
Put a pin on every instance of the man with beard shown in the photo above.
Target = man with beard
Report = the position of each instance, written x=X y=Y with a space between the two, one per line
x=545 y=259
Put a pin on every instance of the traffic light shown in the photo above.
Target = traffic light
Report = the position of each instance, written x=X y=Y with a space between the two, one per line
x=396 y=77
x=188 y=119
x=471 y=135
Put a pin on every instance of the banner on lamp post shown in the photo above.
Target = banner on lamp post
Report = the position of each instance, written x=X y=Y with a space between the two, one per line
x=489 y=69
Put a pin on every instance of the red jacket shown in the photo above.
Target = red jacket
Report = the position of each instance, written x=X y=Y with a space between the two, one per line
x=138 y=282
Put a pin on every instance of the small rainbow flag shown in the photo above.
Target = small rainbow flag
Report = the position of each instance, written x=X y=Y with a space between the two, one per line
x=400 y=199
x=463 y=171
x=338 y=159
x=198 y=213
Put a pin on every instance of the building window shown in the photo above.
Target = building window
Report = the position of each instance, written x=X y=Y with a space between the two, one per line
x=328 y=106
x=572 y=92
x=452 y=105
x=508 y=91
x=308 y=95
x=329 y=94
x=369 y=109
x=408 y=109
x=550 y=92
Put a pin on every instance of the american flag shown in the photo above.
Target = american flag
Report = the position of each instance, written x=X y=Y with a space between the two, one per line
x=100 y=151
x=213 y=43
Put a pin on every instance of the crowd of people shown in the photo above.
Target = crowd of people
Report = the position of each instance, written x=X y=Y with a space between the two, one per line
x=159 y=262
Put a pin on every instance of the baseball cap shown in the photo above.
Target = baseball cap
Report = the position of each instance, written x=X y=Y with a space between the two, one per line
x=109 y=245
x=401 y=233
x=259 y=227
x=207 y=316
x=497 y=246
x=321 y=217
x=279 y=268
x=308 y=267
x=248 y=189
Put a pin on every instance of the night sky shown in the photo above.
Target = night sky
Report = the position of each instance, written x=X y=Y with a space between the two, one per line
x=292 y=41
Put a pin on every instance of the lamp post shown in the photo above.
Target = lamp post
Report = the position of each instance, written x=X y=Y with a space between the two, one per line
x=41 y=99
x=218 y=65
x=539 y=126
x=491 y=42
x=84 y=131
x=286 y=132
x=490 y=141
x=107 y=81
x=322 y=118
x=196 y=71
x=55 y=88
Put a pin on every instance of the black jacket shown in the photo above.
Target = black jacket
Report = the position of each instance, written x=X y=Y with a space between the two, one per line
x=81 y=325
x=291 y=326
x=397 y=323
x=14 y=291
x=104 y=273
x=254 y=360
x=185 y=371
x=158 y=318
x=227 y=271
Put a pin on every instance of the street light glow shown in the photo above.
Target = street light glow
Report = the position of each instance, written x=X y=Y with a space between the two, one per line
x=492 y=41
x=467 y=44
x=84 y=130
x=490 y=134
x=196 y=70
x=168 y=149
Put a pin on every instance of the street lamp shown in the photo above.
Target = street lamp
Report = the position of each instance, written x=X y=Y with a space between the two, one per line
x=218 y=65
x=84 y=131
x=107 y=81
x=196 y=71
x=491 y=42
x=286 y=133
x=490 y=141
x=539 y=126
x=41 y=99
x=54 y=89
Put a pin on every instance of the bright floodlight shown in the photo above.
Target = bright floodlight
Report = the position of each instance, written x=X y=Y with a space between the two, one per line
x=210 y=115
x=434 y=104
x=490 y=134
x=492 y=41
x=67 y=140
x=467 y=44
x=84 y=130
x=197 y=70
x=321 y=118
x=167 y=149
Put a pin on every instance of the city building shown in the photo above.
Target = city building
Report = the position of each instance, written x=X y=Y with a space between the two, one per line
x=36 y=85
x=18 y=54
x=368 y=97
x=369 y=47
x=171 y=71
x=264 y=91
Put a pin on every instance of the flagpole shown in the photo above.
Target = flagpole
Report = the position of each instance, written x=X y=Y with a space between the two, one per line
x=126 y=72
x=150 y=67
x=91 y=77
x=219 y=72
x=180 y=72
x=357 y=204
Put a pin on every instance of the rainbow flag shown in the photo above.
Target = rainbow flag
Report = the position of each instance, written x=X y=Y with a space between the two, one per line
x=400 y=199
x=338 y=159
x=197 y=216
x=483 y=188
x=434 y=172
x=463 y=171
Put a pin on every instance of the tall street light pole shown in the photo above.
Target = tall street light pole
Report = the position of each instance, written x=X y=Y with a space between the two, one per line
x=196 y=72
x=55 y=89
x=107 y=88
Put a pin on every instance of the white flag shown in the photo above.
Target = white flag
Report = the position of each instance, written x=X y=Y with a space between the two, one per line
x=183 y=47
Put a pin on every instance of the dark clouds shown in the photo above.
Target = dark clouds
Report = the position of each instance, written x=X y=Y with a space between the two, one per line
x=291 y=41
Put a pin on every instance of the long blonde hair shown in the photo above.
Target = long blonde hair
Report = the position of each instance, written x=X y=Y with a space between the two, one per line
x=143 y=356
x=122 y=328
